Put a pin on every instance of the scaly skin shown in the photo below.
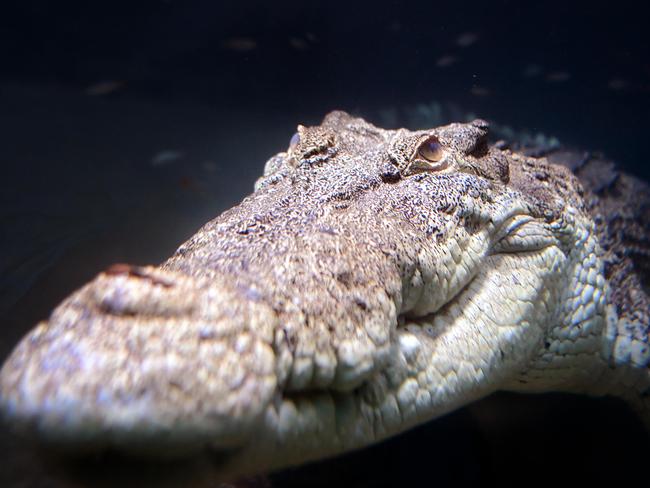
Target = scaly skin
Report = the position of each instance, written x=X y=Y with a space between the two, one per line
x=374 y=280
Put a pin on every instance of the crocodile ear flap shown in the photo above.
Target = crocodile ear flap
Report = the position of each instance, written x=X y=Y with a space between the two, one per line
x=493 y=166
x=470 y=142
x=468 y=139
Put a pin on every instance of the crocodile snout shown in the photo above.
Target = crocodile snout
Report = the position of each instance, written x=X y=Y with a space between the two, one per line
x=142 y=358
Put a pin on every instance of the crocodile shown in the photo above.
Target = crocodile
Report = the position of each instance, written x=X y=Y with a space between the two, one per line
x=374 y=280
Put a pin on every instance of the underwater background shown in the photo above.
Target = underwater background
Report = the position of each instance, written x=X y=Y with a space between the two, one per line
x=124 y=126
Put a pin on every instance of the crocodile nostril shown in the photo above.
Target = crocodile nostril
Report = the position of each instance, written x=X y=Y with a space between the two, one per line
x=118 y=269
x=126 y=290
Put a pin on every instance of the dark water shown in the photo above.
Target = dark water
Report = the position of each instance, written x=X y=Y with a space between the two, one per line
x=125 y=126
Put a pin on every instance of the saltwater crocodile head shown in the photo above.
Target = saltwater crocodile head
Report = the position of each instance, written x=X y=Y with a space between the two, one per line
x=375 y=279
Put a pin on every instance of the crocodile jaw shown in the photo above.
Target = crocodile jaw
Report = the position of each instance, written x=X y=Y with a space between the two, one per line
x=203 y=368
x=438 y=363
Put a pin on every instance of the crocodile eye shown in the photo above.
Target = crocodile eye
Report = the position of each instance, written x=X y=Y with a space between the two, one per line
x=418 y=152
x=431 y=150
x=295 y=139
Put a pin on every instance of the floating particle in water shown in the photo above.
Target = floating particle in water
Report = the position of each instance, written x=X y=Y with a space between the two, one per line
x=558 y=77
x=166 y=157
x=618 y=84
x=532 y=70
x=239 y=44
x=395 y=26
x=479 y=91
x=466 y=39
x=298 y=44
x=192 y=185
x=210 y=166
x=104 y=88
x=446 y=61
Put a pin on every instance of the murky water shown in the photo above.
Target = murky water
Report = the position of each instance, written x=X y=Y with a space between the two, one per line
x=124 y=129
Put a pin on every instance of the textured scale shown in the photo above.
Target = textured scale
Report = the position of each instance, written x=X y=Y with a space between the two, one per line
x=374 y=280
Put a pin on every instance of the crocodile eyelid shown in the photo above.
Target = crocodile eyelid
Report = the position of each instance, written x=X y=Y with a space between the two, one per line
x=429 y=166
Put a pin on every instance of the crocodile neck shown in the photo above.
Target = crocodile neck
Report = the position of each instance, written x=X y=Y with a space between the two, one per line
x=620 y=207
